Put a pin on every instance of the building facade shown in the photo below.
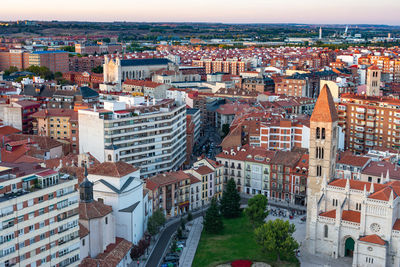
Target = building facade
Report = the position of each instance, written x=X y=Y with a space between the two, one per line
x=40 y=215
x=152 y=137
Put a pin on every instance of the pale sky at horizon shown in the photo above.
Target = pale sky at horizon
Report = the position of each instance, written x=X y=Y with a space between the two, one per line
x=233 y=11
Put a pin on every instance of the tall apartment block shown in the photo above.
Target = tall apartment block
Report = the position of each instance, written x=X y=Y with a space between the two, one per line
x=230 y=65
x=15 y=57
x=149 y=136
x=56 y=61
x=369 y=122
x=39 y=217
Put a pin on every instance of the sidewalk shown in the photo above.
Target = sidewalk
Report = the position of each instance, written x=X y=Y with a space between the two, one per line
x=189 y=251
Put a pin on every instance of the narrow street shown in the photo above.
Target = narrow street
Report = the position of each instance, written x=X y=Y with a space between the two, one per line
x=158 y=252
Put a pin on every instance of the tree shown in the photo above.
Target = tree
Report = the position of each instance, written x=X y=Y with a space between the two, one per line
x=156 y=220
x=10 y=70
x=98 y=69
x=41 y=71
x=159 y=217
x=189 y=216
x=68 y=48
x=276 y=236
x=230 y=201
x=256 y=209
x=136 y=252
x=179 y=233
x=183 y=222
x=174 y=246
x=152 y=226
x=213 y=220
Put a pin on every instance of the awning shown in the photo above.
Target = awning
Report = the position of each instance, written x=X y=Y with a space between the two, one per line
x=29 y=178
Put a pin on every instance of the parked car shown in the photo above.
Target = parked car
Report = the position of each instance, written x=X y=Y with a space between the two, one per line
x=171 y=258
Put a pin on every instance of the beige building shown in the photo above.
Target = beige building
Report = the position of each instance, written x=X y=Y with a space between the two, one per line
x=59 y=124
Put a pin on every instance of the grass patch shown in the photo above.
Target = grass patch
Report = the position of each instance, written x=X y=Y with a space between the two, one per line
x=236 y=242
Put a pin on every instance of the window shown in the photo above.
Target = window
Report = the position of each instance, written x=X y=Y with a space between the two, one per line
x=326 y=231
x=334 y=202
x=106 y=219
x=317 y=133
x=358 y=206
x=83 y=242
x=323 y=133
x=319 y=151
x=319 y=170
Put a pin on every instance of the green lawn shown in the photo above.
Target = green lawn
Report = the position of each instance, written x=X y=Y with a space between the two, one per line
x=236 y=242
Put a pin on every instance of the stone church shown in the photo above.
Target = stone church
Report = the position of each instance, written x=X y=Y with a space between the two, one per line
x=117 y=70
x=347 y=218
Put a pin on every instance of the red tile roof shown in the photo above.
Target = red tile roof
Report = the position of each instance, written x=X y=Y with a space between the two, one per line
x=351 y=216
x=112 y=169
x=353 y=160
x=347 y=215
x=203 y=170
x=396 y=225
x=83 y=231
x=375 y=239
x=329 y=214
x=92 y=210
x=142 y=83
x=6 y=130
x=111 y=257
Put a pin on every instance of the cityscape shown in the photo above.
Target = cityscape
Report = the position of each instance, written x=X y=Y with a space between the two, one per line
x=229 y=137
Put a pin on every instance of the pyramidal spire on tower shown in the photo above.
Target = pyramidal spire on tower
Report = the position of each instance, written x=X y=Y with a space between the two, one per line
x=324 y=110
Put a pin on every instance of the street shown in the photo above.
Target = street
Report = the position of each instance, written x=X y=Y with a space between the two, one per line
x=158 y=252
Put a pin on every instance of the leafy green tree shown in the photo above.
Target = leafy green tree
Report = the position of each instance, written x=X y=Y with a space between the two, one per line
x=68 y=48
x=230 y=201
x=98 y=69
x=179 y=233
x=41 y=71
x=174 y=246
x=189 y=216
x=159 y=217
x=183 y=222
x=156 y=220
x=256 y=209
x=152 y=226
x=276 y=236
x=10 y=70
x=213 y=220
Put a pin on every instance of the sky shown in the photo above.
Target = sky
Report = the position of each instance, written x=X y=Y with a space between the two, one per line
x=226 y=11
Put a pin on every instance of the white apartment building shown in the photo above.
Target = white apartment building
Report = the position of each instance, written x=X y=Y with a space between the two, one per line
x=149 y=136
x=285 y=134
x=39 y=217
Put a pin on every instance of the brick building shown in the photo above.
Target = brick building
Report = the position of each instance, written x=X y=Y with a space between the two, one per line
x=369 y=122
x=56 y=61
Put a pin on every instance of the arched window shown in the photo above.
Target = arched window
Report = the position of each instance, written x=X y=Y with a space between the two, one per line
x=323 y=133
x=326 y=231
x=109 y=157
x=318 y=134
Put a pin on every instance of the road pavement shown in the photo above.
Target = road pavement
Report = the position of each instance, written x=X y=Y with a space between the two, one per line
x=163 y=241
